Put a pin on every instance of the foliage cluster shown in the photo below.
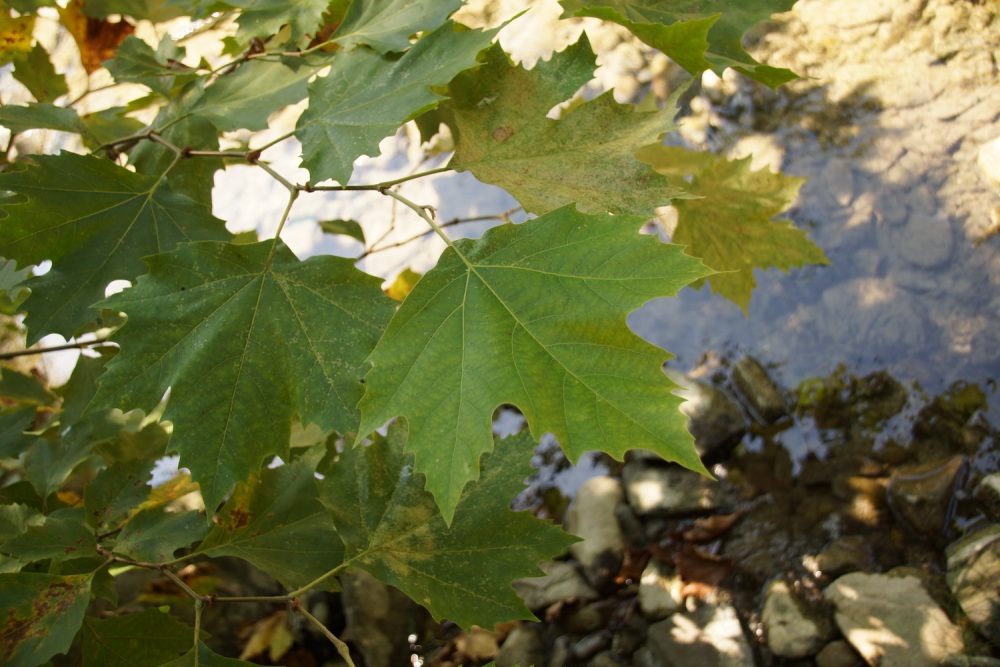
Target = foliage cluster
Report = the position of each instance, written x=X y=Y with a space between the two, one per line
x=232 y=352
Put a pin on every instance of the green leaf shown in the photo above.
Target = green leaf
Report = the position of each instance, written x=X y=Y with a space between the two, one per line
x=48 y=463
x=79 y=390
x=15 y=519
x=94 y=220
x=387 y=25
x=136 y=61
x=532 y=315
x=107 y=125
x=366 y=97
x=697 y=34
x=13 y=424
x=203 y=656
x=41 y=115
x=263 y=18
x=136 y=640
x=28 y=6
x=350 y=228
x=247 y=97
x=278 y=524
x=392 y=528
x=12 y=289
x=244 y=337
x=34 y=69
x=154 y=535
x=731 y=229
x=24 y=388
x=58 y=539
x=42 y=614
x=115 y=494
x=505 y=138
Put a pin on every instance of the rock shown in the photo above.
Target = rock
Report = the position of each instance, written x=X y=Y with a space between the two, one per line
x=714 y=419
x=592 y=517
x=659 y=591
x=645 y=657
x=926 y=241
x=837 y=180
x=974 y=578
x=892 y=621
x=970 y=661
x=794 y=629
x=631 y=637
x=604 y=659
x=838 y=654
x=922 y=498
x=379 y=618
x=668 y=491
x=711 y=636
x=588 y=618
x=523 y=646
x=845 y=554
x=590 y=645
x=987 y=494
x=873 y=314
x=562 y=581
x=988 y=161
x=760 y=392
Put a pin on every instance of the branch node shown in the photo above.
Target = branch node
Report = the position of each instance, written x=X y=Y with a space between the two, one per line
x=308 y=187
x=186 y=152
x=253 y=156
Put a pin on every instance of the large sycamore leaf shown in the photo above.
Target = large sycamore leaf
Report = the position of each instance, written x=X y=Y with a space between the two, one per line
x=367 y=95
x=154 y=535
x=95 y=221
x=150 y=637
x=732 y=229
x=244 y=337
x=63 y=536
x=393 y=529
x=587 y=157
x=277 y=523
x=41 y=615
x=263 y=18
x=697 y=34
x=532 y=315
x=202 y=656
x=387 y=25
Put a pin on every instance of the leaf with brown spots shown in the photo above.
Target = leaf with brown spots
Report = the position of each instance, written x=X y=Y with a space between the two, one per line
x=505 y=138
x=41 y=615
x=393 y=529
x=97 y=39
x=277 y=523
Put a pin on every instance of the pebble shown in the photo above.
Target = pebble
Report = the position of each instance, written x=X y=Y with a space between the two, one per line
x=974 y=578
x=669 y=491
x=922 y=498
x=711 y=636
x=988 y=161
x=794 y=630
x=926 y=241
x=562 y=581
x=761 y=393
x=892 y=621
x=837 y=654
x=592 y=517
x=659 y=591
x=844 y=554
x=837 y=179
x=523 y=646
x=714 y=419
x=987 y=494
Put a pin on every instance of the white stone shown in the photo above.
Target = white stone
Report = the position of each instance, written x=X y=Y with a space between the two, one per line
x=592 y=517
x=659 y=591
x=562 y=581
x=988 y=160
x=892 y=621
x=792 y=632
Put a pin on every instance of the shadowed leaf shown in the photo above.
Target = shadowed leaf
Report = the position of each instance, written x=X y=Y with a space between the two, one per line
x=41 y=615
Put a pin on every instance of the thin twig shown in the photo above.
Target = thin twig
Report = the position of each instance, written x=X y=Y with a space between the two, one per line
x=79 y=345
x=380 y=186
x=505 y=217
x=425 y=212
x=341 y=646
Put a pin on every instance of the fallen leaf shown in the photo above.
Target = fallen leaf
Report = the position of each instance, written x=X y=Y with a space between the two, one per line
x=701 y=572
x=711 y=528
x=272 y=634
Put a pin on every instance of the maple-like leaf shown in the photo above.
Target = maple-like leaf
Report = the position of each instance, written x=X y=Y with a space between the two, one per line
x=137 y=62
x=697 y=34
x=532 y=315
x=387 y=25
x=587 y=157
x=244 y=337
x=202 y=656
x=277 y=523
x=732 y=229
x=149 y=637
x=42 y=613
x=367 y=95
x=61 y=537
x=263 y=18
x=392 y=528
x=95 y=221
x=34 y=69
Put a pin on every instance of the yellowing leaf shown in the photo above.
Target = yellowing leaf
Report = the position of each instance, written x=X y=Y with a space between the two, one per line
x=731 y=229
x=15 y=36
x=272 y=635
x=587 y=157
x=532 y=315
x=403 y=284
x=97 y=39
x=41 y=614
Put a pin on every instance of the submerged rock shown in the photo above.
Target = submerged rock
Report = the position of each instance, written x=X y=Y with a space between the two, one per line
x=763 y=396
x=659 y=591
x=562 y=581
x=667 y=491
x=892 y=621
x=711 y=636
x=845 y=554
x=838 y=654
x=987 y=494
x=715 y=420
x=974 y=578
x=794 y=629
x=523 y=646
x=379 y=618
x=922 y=499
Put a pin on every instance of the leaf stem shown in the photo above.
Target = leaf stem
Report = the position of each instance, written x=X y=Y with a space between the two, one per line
x=341 y=646
x=505 y=217
x=198 y=606
x=79 y=345
x=422 y=211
